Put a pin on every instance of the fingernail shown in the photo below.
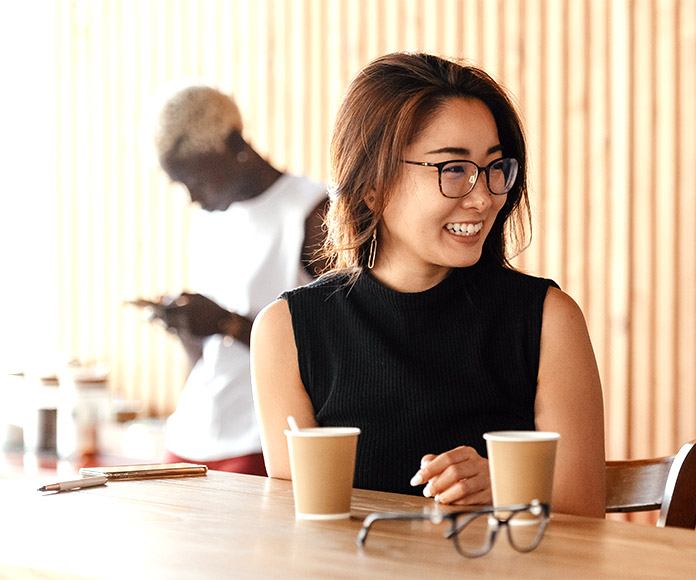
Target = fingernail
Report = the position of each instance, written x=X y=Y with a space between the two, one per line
x=424 y=462
x=426 y=490
x=437 y=498
x=417 y=479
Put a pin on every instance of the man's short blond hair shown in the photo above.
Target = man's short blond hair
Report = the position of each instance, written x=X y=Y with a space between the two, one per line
x=193 y=120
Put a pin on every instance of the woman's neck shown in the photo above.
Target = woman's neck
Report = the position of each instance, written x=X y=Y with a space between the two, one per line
x=410 y=280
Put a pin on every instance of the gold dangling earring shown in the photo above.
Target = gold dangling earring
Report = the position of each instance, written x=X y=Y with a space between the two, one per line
x=373 y=250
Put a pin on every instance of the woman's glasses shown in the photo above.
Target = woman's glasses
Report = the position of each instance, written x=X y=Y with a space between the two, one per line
x=474 y=533
x=457 y=178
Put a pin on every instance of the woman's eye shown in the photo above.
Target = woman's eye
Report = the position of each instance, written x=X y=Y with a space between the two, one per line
x=454 y=168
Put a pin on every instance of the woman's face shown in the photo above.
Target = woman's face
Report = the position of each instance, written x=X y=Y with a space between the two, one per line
x=423 y=234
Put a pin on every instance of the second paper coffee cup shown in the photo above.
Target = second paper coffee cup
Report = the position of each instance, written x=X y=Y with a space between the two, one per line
x=521 y=466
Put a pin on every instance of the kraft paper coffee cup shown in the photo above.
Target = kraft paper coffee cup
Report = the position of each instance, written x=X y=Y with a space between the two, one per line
x=521 y=466
x=322 y=464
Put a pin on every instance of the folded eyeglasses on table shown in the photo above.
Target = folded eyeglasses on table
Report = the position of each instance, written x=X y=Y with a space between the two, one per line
x=474 y=532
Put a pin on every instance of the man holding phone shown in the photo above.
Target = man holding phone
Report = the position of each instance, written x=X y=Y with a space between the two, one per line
x=253 y=237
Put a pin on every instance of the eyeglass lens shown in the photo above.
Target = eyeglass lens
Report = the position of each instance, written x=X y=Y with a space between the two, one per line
x=476 y=537
x=457 y=178
x=525 y=530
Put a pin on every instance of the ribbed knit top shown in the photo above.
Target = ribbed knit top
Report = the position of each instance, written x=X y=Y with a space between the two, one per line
x=419 y=372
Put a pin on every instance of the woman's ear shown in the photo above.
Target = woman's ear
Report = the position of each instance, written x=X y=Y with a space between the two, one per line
x=370 y=199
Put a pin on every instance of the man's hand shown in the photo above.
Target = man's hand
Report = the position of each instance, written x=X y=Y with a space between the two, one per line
x=193 y=315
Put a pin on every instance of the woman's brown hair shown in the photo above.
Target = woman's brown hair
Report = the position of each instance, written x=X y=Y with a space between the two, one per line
x=383 y=111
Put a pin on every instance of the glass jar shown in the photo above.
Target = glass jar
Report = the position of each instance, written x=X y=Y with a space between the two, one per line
x=12 y=411
x=83 y=409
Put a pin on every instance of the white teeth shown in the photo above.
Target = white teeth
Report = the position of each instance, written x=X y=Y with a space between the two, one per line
x=464 y=229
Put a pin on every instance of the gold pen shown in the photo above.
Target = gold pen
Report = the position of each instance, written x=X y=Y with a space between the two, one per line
x=75 y=484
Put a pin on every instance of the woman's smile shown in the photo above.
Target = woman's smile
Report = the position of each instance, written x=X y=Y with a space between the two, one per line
x=464 y=229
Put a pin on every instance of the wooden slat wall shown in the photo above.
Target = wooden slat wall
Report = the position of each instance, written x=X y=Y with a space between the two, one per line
x=606 y=88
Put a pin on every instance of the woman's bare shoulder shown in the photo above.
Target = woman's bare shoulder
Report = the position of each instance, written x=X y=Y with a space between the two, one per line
x=276 y=311
x=273 y=322
x=561 y=308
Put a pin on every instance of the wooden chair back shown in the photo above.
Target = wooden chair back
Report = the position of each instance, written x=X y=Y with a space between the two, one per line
x=664 y=483
x=679 y=503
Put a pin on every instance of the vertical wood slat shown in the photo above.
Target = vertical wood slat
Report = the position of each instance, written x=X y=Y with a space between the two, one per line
x=606 y=93
x=641 y=209
x=575 y=176
x=530 y=109
x=553 y=146
x=664 y=386
x=599 y=201
x=685 y=393
x=618 y=192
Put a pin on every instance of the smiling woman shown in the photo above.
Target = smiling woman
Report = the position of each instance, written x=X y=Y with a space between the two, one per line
x=603 y=132
x=424 y=336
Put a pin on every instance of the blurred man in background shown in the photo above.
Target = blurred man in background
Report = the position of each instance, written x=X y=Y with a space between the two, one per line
x=255 y=238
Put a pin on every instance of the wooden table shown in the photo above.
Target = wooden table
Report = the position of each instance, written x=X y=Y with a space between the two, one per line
x=236 y=526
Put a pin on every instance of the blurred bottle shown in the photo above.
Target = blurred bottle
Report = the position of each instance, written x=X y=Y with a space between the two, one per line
x=41 y=404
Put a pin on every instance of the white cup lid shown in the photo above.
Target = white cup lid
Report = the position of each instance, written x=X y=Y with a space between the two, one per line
x=521 y=436
x=324 y=432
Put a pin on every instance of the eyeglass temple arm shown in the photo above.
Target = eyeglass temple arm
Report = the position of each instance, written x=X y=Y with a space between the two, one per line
x=373 y=517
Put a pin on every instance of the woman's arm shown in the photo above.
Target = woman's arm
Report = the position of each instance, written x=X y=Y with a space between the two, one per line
x=278 y=389
x=569 y=401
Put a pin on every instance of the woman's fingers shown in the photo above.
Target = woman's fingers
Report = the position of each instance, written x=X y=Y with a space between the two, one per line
x=473 y=490
x=427 y=459
x=459 y=475
x=420 y=477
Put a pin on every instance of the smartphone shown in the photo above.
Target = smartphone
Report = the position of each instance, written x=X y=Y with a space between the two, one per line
x=142 y=303
x=152 y=311
x=146 y=471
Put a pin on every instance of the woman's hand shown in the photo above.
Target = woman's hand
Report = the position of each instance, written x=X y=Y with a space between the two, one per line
x=459 y=476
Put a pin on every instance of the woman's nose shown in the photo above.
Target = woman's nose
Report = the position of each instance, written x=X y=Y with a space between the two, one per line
x=479 y=196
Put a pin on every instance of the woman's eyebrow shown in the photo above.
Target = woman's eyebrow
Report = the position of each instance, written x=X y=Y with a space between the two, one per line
x=462 y=150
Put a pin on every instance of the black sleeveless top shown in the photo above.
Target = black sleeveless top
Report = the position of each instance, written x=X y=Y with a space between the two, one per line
x=423 y=372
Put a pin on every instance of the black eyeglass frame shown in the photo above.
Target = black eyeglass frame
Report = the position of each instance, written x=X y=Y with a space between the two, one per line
x=438 y=516
x=479 y=170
